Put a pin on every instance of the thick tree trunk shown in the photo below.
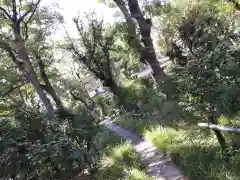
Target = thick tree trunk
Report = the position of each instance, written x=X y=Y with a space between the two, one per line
x=148 y=53
x=31 y=74
x=48 y=87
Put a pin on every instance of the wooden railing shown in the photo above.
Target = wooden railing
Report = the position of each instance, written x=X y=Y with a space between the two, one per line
x=219 y=128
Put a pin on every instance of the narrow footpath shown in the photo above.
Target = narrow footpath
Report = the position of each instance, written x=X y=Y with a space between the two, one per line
x=159 y=165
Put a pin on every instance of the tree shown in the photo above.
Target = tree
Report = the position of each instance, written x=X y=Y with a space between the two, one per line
x=209 y=44
x=146 y=51
x=17 y=21
x=96 y=57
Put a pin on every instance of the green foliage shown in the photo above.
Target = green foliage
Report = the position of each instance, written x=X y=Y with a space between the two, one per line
x=203 y=45
x=202 y=40
x=136 y=97
x=32 y=147
x=105 y=103
x=125 y=153
x=195 y=153
x=136 y=174
x=120 y=160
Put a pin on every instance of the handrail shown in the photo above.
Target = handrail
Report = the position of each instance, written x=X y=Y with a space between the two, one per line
x=219 y=127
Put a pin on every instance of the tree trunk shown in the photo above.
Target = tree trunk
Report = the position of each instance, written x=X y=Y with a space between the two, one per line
x=213 y=119
x=221 y=139
x=148 y=53
x=112 y=86
x=133 y=39
x=31 y=74
x=25 y=65
x=48 y=87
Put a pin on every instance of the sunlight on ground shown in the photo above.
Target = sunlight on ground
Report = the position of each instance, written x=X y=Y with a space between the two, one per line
x=197 y=154
x=195 y=151
x=120 y=160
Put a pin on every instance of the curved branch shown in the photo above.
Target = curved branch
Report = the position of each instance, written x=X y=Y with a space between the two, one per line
x=7 y=16
x=5 y=46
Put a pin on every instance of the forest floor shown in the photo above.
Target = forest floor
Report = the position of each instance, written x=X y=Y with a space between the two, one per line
x=158 y=164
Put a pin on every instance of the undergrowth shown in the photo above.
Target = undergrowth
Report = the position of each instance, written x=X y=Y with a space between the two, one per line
x=195 y=151
x=120 y=161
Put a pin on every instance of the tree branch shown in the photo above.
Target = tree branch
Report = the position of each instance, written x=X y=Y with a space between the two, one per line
x=48 y=86
x=7 y=16
x=26 y=30
x=5 y=46
x=32 y=9
x=14 y=6
x=13 y=88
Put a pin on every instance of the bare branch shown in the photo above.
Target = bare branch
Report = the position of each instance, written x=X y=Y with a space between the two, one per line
x=7 y=16
x=5 y=46
x=32 y=9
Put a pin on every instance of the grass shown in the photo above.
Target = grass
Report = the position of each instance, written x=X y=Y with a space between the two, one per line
x=120 y=161
x=124 y=154
x=134 y=124
x=136 y=174
x=197 y=154
x=195 y=151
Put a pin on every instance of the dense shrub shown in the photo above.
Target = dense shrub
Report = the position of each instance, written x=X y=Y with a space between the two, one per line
x=34 y=148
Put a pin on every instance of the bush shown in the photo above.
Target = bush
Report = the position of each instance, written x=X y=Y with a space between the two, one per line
x=137 y=98
x=34 y=148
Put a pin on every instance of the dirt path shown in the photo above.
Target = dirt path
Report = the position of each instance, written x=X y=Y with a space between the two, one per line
x=159 y=165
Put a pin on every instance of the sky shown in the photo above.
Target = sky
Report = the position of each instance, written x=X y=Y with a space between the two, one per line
x=72 y=8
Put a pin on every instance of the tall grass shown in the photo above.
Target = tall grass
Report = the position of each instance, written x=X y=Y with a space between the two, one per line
x=196 y=153
x=120 y=160
x=194 y=150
